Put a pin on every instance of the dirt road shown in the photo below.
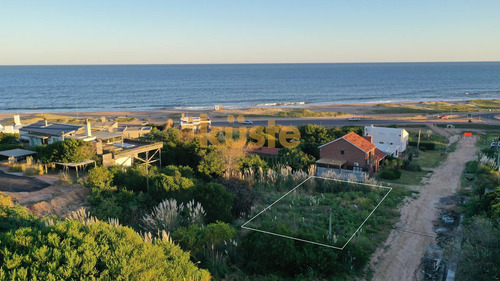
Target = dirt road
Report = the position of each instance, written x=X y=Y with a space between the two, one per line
x=400 y=257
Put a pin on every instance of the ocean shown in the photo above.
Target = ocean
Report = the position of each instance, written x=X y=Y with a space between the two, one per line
x=157 y=87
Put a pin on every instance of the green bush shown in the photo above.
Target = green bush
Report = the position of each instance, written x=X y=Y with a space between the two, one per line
x=389 y=174
x=412 y=167
x=71 y=250
x=472 y=167
x=426 y=145
x=99 y=178
x=216 y=200
x=67 y=151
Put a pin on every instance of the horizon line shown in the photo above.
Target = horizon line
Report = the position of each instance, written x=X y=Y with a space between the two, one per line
x=252 y=63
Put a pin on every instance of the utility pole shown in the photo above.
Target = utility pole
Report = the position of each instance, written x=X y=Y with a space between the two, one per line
x=147 y=172
x=498 y=154
x=418 y=142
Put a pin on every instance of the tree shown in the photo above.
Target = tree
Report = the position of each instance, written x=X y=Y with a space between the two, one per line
x=211 y=164
x=67 y=151
x=216 y=200
x=178 y=149
x=295 y=158
x=163 y=185
x=184 y=171
x=100 y=178
x=317 y=134
x=252 y=161
x=243 y=196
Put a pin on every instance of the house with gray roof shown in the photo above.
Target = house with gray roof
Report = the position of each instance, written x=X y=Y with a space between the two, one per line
x=43 y=132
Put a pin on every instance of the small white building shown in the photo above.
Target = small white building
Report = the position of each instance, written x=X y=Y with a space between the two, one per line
x=392 y=141
x=194 y=123
x=12 y=129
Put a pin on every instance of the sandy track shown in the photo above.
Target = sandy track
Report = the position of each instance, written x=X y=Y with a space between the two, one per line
x=399 y=259
x=57 y=199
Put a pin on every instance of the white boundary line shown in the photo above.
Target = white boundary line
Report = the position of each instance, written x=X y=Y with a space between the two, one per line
x=312 y=242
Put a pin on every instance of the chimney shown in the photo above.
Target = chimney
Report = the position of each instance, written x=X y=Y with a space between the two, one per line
x=62 y=135
x=17 y=120
x=46 y=123
x=103 y=119
x=88 y=131
x=369 y=138
x=98 y=147
x=182 y=115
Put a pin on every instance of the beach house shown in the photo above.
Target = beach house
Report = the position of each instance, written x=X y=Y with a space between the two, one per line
x=392 y=141
x=194 y=123
x=12 y=129
x=43 y=132
x=350 y=153
x=111 y=147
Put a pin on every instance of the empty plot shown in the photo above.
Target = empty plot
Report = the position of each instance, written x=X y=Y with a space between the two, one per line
x=321 y=211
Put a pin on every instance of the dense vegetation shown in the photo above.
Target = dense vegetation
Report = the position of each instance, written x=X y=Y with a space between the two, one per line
x=200 y=197
x=478 y=255
x=67 y=151
x=83 y=248
x=9 y=141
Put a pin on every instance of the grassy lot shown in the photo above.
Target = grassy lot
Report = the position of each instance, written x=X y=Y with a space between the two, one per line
x=430 y=158
x=408 y=178
x=281 y=113
x=400 y=109
x=427 y=135
x=431 y=107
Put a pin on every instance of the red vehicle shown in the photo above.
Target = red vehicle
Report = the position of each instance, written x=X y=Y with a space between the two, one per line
x=444 y=116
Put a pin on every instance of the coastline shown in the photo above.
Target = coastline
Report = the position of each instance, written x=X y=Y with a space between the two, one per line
x=393 y=109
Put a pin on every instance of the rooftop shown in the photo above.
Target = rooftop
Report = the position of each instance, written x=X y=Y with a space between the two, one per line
x=17 y=152
x=53 y=129
x=379 y=154
x=265 y=150
x=359 y=141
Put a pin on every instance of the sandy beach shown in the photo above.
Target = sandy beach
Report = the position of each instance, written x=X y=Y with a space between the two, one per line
x=372 y=110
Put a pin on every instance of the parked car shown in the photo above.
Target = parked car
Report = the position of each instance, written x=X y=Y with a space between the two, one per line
x=444 y=116
x=494 y=144
x=354 y=119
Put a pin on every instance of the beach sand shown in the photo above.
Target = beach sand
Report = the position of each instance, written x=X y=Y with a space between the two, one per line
x=392 y=110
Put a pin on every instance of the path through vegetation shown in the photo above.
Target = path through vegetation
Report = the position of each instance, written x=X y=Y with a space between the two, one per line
x=399 y=258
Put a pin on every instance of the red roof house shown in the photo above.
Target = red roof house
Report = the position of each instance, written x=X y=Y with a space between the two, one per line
x=351 y=152
x=265 y=151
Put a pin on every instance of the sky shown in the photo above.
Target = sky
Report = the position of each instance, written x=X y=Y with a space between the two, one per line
x=247 y=31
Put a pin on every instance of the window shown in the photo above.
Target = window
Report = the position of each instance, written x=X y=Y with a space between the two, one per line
x=342 y=152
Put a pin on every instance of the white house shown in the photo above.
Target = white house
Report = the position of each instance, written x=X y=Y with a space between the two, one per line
x=392 y=141
x=14 y=128
x=194 y=123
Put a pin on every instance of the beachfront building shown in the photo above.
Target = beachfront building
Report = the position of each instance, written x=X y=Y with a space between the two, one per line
x=129 y=131
x=13 y=128
x=194 y=123
x=392 y=141
x=112 y=147
x=43 y=132
x=350 y=154
x=128 y=152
